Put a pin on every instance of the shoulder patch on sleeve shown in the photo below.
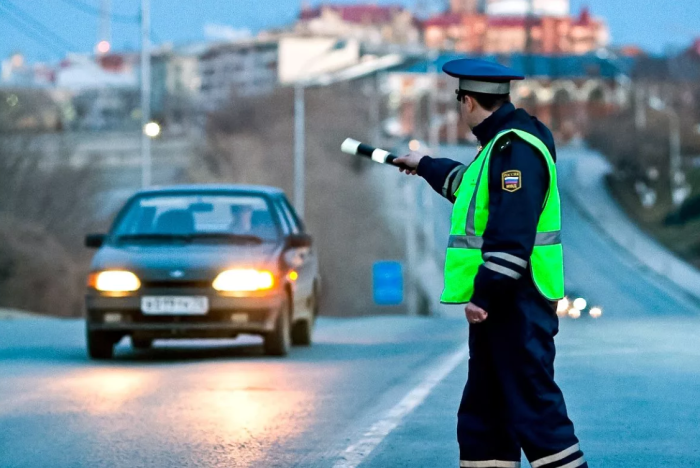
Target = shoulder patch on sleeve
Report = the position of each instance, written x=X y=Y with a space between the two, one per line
x=512 y=181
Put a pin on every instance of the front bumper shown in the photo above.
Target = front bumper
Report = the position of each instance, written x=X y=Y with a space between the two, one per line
x=227 y=316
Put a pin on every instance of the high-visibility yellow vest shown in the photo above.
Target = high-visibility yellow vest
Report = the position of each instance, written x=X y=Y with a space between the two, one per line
x=470 y=216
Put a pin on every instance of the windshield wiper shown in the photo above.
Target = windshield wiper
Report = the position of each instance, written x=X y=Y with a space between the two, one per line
x=242 y=238
x=154 y=237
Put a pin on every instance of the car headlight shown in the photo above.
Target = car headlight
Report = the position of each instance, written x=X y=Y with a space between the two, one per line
x=114 y=281
x=244 y=280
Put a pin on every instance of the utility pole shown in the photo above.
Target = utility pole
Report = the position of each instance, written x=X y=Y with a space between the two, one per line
x=409 y=195
x=299 y=147
x=640 y=108
x=145 y=92
x=300 y=85
x=375 y=108
x=434 y=126
x=529 y=42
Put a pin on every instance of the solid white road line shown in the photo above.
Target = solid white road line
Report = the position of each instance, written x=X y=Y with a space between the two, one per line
x=357 y=452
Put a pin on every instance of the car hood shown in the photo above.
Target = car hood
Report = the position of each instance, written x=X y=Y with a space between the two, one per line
x=185 y=262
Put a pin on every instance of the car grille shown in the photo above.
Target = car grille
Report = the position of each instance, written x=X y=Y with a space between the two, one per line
x=170 y=284
x=213 y=316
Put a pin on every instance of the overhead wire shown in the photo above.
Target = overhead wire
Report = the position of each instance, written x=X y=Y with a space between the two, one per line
x=31 y=27
x=91 y=10
x=36 y=30
x=31 y=34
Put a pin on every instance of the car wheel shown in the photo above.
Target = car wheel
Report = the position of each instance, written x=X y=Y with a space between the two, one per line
x=278 y=341
x=303 y=330
x=100 y=345
x=301 y=333
x=141 y=343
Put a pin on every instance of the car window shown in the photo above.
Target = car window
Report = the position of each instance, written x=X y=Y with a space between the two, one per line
x=286 y=224
x=194 y=215
x=295 y=216
x=289 y=218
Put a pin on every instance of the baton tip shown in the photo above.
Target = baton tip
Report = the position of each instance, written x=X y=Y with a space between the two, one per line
x=350 y=146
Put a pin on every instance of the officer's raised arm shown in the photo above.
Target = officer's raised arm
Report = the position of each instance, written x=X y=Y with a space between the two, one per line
x=443 y=175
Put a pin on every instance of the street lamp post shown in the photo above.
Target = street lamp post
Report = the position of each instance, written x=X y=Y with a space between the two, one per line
x=676 y=175
x=299 y=148
x=145 y=92
x=300 y=129
x=676 y=162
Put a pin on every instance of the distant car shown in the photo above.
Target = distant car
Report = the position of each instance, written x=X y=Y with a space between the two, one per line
x=203 y=262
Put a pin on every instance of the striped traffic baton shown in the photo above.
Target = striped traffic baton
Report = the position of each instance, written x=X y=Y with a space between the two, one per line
x=381 y=156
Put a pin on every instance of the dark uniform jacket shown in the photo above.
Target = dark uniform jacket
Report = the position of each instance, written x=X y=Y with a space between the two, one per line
x=513 y=216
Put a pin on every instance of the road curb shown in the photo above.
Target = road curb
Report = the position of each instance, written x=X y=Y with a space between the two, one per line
x=12 y=314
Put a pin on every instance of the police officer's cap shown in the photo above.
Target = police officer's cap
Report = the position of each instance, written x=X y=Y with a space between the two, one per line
x=481 y=76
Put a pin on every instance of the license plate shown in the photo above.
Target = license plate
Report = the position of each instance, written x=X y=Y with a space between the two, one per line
x=174 y=305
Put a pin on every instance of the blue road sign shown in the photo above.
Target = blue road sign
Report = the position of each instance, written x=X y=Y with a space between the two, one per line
x=387 y=283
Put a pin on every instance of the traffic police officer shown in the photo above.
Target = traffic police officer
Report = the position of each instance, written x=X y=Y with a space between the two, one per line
x=505 y=262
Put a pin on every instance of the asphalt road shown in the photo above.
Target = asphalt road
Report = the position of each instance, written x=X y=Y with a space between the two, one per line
x=372 y=392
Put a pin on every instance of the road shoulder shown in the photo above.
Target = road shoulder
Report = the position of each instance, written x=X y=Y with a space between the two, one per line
x=14 y=314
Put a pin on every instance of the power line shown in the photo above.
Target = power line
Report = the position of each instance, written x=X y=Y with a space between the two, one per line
x=31 y=27
x=27 y=18
x=31 y=34
x=90 y=10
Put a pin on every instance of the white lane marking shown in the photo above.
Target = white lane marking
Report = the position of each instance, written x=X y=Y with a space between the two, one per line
x=357 y=452
x=379 y=155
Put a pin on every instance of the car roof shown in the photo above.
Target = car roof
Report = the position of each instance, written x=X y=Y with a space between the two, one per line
x=223 y=188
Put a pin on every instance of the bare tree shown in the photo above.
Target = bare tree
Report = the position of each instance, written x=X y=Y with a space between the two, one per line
x=46 y=206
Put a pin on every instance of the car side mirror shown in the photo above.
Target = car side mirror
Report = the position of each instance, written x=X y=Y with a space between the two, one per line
x=95 y=241
x=297 y=241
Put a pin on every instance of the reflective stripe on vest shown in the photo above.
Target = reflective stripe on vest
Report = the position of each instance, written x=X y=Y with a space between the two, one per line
x=477 y=242
x=469 y=223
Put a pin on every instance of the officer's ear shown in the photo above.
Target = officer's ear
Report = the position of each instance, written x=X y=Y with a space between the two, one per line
x=469 y=103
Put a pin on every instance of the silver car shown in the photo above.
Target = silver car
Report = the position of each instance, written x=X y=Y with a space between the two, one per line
x=203 y=262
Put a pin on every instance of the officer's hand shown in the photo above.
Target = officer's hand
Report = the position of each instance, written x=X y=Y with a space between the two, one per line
x=475 y=314
x=411 y=160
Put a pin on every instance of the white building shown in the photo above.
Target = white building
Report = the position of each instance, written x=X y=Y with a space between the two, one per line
x=243 y=68
x=522 y=7
x=83 y=72
x=302 y=58
x=368 y=23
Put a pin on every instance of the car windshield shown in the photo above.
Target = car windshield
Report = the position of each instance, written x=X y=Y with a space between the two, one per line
x=226 y=218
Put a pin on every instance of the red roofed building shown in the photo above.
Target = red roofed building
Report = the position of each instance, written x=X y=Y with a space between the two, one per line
x=459 y=32
x=367 y=23
x=502 y=34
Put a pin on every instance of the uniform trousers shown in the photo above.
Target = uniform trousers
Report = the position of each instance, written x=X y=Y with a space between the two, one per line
x=511 y=401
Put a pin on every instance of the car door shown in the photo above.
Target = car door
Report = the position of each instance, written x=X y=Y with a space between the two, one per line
x=303 y=260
